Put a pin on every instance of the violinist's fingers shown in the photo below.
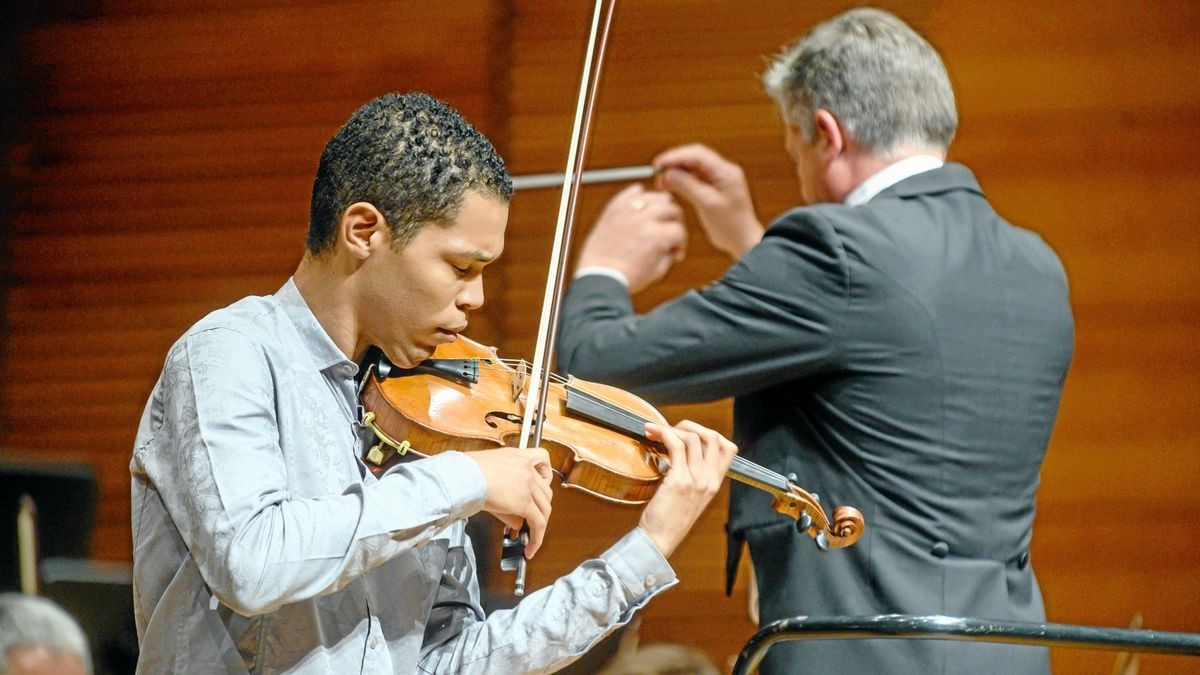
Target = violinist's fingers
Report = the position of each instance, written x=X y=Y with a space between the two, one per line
x=512 y=524
x=694 y=446
x=537 y=515
x=676 y=453
x=718 y=453
x=680 y=499
x=537 y=519
x=518 y=488
x=543 y=497
x=695 y=454
x=541 y=464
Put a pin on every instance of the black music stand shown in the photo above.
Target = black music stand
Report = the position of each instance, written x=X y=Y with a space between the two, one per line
x=65 y=495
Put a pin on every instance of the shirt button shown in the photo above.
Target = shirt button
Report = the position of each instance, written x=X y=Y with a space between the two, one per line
x=651 y=579
x=374 y=643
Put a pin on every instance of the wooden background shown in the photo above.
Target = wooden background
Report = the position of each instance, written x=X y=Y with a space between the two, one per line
x=159 y=156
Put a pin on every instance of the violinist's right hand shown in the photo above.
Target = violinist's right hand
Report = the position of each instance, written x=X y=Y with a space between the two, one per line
x=518 y=489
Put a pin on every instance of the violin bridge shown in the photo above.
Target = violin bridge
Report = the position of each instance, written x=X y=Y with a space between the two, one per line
x=520 y=374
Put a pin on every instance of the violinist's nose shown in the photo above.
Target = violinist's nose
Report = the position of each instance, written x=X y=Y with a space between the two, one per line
x=471 y=295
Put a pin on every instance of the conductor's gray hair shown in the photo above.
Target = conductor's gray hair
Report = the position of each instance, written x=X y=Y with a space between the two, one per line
x=27 y=621
x=886 y=83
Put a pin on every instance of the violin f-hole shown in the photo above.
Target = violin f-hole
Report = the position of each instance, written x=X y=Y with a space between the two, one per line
x=505 y=416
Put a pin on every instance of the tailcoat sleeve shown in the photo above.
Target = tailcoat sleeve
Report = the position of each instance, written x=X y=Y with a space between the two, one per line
x=772 y=317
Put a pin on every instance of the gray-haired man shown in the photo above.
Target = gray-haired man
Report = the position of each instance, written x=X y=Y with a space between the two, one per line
x=37 y=637
x=896 y=344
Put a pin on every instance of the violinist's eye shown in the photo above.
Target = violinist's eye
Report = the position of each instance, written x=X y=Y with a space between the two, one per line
x=461 y=271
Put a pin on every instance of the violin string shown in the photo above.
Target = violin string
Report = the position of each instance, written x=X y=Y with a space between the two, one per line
x=490 y=368
x=740 y=464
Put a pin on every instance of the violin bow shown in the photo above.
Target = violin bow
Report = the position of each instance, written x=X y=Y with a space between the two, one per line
x=790 y=499
x=531 y=422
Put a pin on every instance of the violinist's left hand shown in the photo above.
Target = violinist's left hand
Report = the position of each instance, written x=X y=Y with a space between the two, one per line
x=700 y=458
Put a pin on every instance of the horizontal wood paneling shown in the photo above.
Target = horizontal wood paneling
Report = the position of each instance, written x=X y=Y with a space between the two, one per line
x=165 y=153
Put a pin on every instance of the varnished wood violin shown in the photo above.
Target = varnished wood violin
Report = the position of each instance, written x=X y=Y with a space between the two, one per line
x=467 y=398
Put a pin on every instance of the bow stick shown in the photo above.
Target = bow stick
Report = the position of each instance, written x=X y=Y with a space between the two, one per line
x=531 y=422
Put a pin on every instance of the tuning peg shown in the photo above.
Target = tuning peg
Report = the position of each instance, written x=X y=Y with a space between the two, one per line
x=803 y=523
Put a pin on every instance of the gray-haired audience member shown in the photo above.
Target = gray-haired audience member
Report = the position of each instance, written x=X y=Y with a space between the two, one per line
x=37 y=637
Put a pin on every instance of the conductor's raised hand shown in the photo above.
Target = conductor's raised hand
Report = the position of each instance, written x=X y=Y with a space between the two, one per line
x=518 y=489
x=717 y=189
x=700 y=458
x=640 y=234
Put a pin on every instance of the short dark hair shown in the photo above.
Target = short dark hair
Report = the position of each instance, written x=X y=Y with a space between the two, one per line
x=409 y=155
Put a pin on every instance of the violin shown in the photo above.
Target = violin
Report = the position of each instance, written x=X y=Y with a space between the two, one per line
x=464 y=397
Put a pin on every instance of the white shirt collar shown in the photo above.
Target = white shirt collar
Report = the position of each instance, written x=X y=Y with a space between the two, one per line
x=889 y=176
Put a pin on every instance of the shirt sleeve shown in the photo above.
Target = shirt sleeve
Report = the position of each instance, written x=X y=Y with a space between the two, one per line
x=216 y=461
x=556 y=625
x=773 y=316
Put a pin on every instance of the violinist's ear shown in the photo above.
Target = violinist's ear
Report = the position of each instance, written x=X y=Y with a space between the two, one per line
x=362 y=228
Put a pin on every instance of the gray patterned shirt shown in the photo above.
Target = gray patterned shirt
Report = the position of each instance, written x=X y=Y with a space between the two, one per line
x=262 y=544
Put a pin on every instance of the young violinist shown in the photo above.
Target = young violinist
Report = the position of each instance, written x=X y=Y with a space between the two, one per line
x=261 y=542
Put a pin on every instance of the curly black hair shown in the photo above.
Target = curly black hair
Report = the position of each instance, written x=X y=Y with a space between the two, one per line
x=412 y=157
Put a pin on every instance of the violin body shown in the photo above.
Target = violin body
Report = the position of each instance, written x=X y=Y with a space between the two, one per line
x=435 y=413
x=464 y=397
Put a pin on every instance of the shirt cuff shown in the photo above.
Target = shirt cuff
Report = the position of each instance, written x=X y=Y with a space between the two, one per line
x=640 y=566
x=611 y=273
x=459 y=478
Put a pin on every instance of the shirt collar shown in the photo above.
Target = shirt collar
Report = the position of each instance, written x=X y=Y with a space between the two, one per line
x=889 y=176
x=312 y=335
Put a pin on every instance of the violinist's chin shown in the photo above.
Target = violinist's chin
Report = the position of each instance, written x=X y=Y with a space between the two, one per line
x=408 y=356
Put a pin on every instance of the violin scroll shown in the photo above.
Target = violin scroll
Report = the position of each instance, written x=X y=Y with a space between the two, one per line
x=846 y=527
x=848 y=524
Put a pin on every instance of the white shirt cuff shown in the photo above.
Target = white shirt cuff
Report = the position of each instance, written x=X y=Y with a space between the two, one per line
x=609 y=272
x=640 y=566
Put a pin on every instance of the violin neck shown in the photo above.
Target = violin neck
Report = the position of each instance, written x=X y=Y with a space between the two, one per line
x=755 y=475
x=601 y=412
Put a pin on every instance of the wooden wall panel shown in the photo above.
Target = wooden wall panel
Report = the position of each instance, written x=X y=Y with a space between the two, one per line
x=164 y=156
